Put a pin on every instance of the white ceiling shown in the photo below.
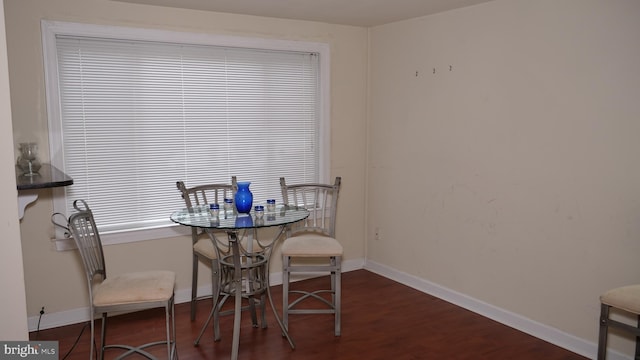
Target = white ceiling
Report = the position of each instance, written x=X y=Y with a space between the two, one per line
x=347 y=12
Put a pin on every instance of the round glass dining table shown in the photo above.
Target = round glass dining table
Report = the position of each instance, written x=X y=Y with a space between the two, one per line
x=230 y=220
x=234 y=224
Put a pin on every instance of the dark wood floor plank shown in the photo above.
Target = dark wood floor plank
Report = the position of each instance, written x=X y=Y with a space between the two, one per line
x=381 y=319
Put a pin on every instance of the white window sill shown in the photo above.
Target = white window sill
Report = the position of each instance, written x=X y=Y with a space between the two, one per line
x=124 y=237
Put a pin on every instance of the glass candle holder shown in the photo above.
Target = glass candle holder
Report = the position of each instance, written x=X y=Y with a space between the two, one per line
x=259 y=210
x=271 y=205
x=228 y=204
x=214 y=209
x=28 y=160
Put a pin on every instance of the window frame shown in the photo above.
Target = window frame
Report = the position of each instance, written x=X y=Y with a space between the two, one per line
x=51 y=29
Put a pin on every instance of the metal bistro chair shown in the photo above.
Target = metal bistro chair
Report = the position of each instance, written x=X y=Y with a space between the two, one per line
x=127 y=292
x=312 y=238
x=626 y=298
x=204 y=250
x=202 y=246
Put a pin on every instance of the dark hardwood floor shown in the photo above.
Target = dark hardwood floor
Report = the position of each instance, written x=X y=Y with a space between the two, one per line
x=381 y=319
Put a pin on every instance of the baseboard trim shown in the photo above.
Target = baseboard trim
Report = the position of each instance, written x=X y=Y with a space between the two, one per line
x=518 y=322
x=79 y=315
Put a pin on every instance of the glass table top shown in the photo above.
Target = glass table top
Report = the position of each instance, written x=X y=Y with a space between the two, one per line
x=202 y=218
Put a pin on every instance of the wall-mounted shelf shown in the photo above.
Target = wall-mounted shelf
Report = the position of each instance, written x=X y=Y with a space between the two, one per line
x=47 y=177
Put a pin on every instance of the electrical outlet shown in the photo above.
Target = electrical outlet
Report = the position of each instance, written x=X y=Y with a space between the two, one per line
x=377 y=234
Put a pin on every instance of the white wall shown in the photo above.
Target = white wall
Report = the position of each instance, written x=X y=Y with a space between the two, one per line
x=13 y=311
x=514 y=163
x=54 y=279
x=513 y=169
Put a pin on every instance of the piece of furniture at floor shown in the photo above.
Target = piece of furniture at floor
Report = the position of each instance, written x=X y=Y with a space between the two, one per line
x=197 y=197
x=245 y=268
x=121 y=293
x=625 y=298
x=313 y=238
x=202 y=246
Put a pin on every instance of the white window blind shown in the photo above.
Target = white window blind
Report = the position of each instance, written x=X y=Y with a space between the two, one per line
x=137 y=116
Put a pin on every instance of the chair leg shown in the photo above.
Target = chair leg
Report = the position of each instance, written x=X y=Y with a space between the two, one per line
x=215 y=296
x=252 y=310
x=166 y=316
x=263 y=302
x=103 y=335
x=337 y=292
x=604 y=327
x=286 y=262
x=93 y=334
x=638 y=341
x=171 y=329
x=216 y=323
x=251 y=273
x=260 y=274
x=263 y=281
x=194 y=286
x=256 y=277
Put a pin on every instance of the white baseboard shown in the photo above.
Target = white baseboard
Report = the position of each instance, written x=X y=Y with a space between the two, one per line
x=61 y=318
x=518 y=322
x=74 y=316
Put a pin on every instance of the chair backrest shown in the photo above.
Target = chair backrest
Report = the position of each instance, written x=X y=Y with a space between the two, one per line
x=320 y=199
x=208 y=193
x=82 y=228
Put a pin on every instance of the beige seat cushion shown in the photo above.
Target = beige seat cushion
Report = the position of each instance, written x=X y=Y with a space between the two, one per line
x=311 y=245
x=136 y=287
x=205 y=247
x=626 y=298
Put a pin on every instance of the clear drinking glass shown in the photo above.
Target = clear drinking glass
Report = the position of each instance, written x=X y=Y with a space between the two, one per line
x=214 y=209
x=271 y=205
x=28 y=160
x=259 y=210
x=228 y=204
